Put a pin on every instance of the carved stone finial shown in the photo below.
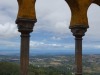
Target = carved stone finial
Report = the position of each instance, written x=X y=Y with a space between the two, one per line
x=79 y=12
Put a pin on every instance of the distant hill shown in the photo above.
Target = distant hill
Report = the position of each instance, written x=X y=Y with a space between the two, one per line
x=46 y=52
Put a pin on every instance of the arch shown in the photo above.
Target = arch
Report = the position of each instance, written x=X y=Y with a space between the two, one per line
x=79 y=23
x=79 y=9
x=94 y=21
x=97 y=2
x=78 y=26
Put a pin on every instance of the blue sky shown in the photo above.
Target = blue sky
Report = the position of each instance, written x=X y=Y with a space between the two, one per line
x=51 y=32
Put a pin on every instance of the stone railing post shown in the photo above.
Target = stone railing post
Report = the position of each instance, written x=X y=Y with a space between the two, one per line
x=25 y=21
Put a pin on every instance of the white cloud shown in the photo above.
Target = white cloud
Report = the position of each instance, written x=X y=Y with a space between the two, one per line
x=52 y=16
x=56 y=38
x=9 y=44
x=94 y=22
x=50 y=46
x=91 y=46
x=8 y=30
x=8 y=11
x=55 y=17
x=42 y=45
x=64 y=46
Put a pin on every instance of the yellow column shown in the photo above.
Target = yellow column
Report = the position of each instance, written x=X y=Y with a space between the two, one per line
x=78 y=26
x=25 y=21
x=26 y=9
x=79 y=12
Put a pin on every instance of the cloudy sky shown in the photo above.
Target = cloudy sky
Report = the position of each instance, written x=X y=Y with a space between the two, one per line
x=51 y=32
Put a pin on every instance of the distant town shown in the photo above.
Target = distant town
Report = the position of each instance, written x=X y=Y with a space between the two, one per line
x=91 y=63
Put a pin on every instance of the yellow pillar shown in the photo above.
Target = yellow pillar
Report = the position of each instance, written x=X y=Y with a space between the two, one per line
x=25 y=21
x=26 y=9
x=78 y=26
x=79 y=12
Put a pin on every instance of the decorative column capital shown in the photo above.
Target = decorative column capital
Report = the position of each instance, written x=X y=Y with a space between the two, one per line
x=79 y=31
x=25 y=25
